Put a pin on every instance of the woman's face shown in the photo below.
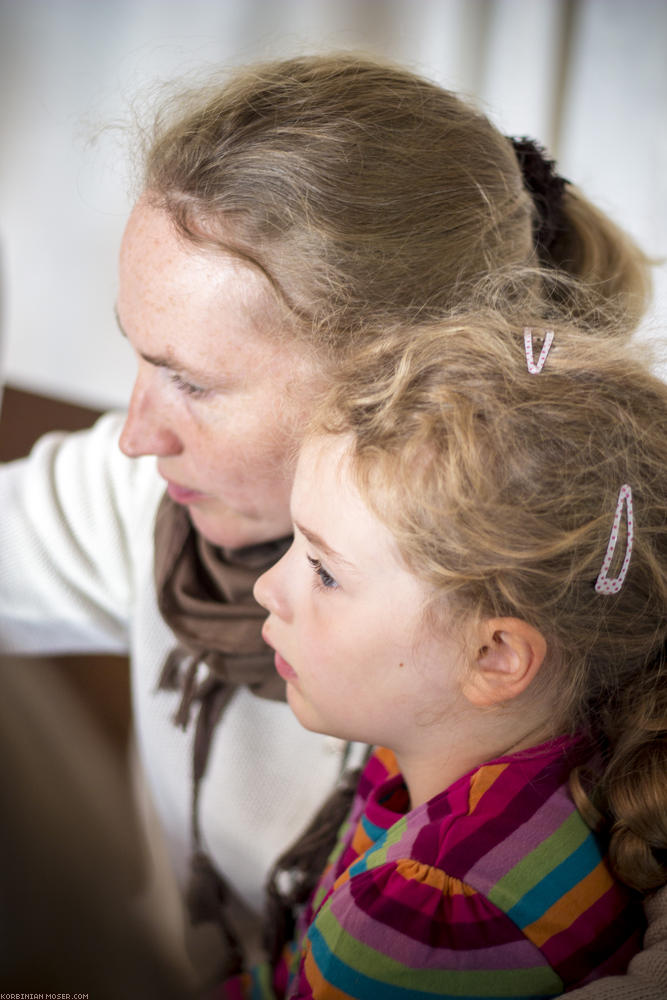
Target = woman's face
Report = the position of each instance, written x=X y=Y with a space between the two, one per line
x=219 y=396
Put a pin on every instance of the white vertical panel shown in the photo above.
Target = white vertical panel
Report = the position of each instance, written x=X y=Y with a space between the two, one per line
x=522 y=66
x=70 y=66
x=614 y=135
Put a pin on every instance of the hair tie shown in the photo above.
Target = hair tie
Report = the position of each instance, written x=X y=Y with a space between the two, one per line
x=603 y=584
x=546 y=188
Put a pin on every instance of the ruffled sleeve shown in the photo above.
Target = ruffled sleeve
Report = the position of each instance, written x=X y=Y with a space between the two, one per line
x=406 y=929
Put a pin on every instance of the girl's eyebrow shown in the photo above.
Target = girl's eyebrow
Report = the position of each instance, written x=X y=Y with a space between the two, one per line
x=319 y=542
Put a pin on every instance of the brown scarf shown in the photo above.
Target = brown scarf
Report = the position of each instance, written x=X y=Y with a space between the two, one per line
x=204 y=594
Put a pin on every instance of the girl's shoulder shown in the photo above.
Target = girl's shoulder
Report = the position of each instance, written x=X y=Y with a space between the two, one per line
x=502 y=857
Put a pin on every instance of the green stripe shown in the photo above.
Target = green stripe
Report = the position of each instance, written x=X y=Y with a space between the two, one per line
x=377 y=856
x=535 y=866
x=342 y=958
x=332 y=860
x=262 y=985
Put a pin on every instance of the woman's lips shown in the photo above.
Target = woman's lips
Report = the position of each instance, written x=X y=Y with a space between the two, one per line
x=181 y=494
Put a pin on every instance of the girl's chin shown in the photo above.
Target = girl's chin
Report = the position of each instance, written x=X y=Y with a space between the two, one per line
x=305 y=714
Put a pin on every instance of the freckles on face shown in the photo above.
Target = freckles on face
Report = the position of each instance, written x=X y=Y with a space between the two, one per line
x=221 y=395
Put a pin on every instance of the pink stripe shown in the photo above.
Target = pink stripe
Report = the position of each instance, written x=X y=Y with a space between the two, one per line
x=231 y=990
x=386 y=940
x=497 y=799
x=586 y=928
x=519 y=844
x=617 y=963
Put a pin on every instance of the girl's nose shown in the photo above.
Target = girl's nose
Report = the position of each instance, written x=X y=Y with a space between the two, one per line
x=270 y=590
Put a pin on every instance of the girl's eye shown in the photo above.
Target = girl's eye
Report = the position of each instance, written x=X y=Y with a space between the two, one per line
x=326 y=579
x=186 y=387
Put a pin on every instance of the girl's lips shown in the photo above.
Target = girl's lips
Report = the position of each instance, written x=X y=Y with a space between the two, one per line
x=283 y=668
x=180 y=494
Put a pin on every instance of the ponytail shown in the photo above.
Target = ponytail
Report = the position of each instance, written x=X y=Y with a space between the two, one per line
x=595 y=250
x=575 y=238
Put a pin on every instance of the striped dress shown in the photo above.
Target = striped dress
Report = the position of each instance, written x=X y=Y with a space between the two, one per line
x=495 y=888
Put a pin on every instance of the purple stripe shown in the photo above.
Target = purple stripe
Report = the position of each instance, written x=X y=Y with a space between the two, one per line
x=397 y=940
x=414 y=830
x=519 y=844
x=374 y=771
x=617 y=939
x=615 y=963
x=508 y=807
x=422 y=914
x=585 y=929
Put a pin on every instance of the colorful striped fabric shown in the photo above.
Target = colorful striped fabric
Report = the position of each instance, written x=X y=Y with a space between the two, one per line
x=495 y=888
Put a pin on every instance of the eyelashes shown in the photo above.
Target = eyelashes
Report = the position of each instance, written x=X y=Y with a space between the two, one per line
x=186 y=387
x=326 y=580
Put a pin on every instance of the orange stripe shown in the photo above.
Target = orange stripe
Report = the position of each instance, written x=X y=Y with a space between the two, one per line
x=414 y=871
x=388 y=760
x=318 y=984
x=481 y=781
x=571 y=906
x=361 y=841
x=342 y=879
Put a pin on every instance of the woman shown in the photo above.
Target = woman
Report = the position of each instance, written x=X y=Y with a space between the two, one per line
x=284 y=217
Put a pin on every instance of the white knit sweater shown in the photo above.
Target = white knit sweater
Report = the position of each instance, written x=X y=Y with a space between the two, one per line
x=76 y=575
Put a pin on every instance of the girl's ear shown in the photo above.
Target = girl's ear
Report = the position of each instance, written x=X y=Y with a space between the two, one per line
x=509 y=655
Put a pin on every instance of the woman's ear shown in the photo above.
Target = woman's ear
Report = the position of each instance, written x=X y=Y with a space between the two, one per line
x=509 y=654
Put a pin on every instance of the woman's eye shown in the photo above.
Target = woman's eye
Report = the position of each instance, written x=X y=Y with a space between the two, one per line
x=186 y=387
x=326 y=579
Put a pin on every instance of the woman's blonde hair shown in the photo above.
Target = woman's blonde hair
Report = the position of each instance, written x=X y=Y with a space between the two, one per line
x=500 y=487
x=366 y=194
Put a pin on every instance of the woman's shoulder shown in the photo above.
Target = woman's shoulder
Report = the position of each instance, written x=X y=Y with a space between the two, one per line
x=84 y=472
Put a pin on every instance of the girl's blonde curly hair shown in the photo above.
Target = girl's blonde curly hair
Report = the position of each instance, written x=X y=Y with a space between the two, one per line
x=500 y=487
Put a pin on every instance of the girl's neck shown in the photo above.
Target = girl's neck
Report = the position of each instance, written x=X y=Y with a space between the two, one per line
x=428 y=773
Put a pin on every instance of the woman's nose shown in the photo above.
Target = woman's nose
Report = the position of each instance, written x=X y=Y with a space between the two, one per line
x=147 y=429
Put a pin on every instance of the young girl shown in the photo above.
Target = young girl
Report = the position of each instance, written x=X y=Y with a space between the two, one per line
x=478 y=587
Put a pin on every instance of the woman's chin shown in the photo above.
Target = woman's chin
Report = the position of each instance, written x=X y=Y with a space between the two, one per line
x=231 y=530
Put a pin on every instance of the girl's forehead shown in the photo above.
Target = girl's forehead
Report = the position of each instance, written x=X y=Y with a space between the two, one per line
x=324 y=458
x=327 y=503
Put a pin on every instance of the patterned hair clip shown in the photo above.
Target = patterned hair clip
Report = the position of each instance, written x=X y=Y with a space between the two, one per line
x=603 y=585
x=533 y=367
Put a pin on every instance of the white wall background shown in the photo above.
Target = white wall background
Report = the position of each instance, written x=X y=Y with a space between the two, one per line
x=586 y=77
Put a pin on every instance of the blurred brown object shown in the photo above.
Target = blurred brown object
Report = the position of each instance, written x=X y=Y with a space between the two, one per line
x=70 y=916
x=102 y=682
x=86 y=891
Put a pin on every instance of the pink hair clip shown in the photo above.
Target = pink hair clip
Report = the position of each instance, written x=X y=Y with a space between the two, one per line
x=536 y=367
x=603 y=585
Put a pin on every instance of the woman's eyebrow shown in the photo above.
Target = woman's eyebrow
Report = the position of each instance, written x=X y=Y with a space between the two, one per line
x=319 y=542
x=164 y=361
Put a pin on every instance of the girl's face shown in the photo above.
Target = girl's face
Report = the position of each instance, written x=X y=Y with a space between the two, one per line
x=347 y=618
x=219 y=396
